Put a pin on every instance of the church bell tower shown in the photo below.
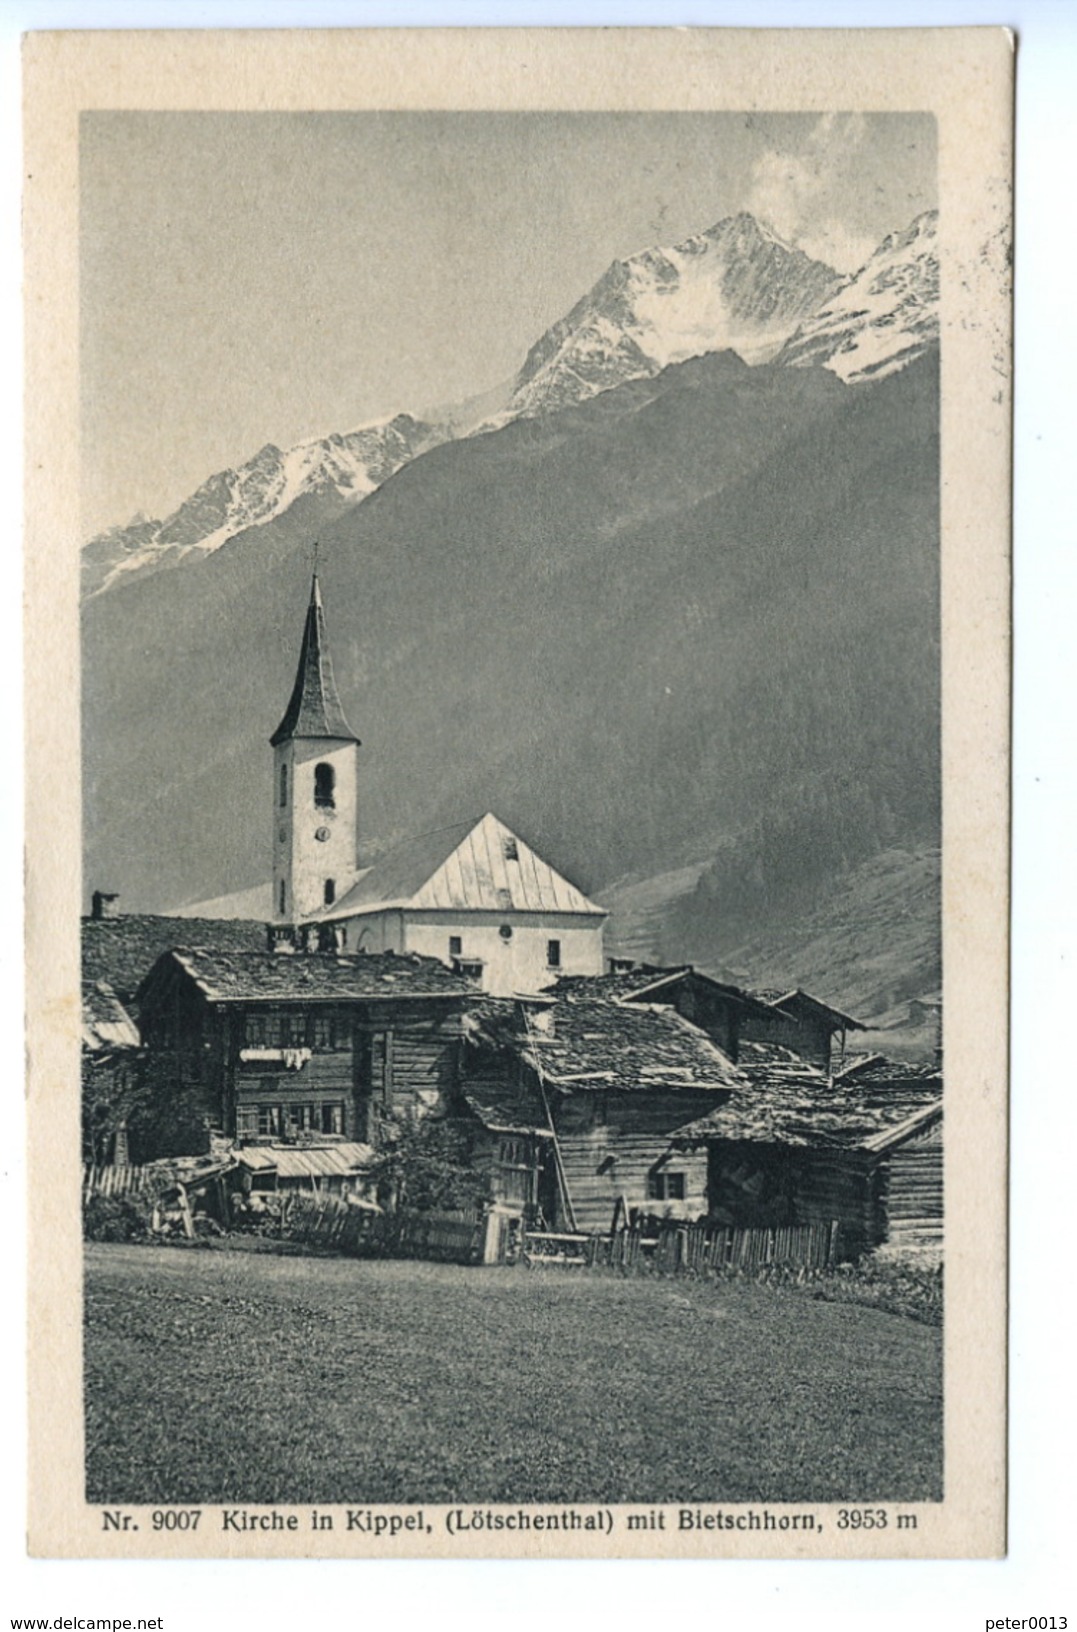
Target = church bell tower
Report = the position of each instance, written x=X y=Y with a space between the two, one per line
x=315 y=785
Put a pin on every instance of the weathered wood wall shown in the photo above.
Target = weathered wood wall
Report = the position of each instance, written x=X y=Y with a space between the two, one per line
x=756 y=1185
x=708 y=1010
x=612 y=1142
x=912 y=1192
x=809 y=1038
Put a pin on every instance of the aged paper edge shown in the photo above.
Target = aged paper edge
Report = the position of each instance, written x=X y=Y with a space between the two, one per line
x=964 y=77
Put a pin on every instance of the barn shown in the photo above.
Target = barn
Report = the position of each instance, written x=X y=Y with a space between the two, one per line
x=600 y=1087
x=801 y=1148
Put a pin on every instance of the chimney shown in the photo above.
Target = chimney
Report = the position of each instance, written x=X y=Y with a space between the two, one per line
x=101 y=905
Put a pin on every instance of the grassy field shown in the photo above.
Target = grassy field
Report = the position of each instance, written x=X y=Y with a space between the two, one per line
x=215 y=1376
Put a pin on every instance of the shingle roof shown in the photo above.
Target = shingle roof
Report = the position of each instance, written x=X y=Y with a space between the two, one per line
x=282 y=977
x=790 y=1102
x=472 y=866
x=122 y=950
x=651 y=982
x=790 y=1000
x=599 y=1045
x=106 y=1024
x=615 y=987
x=314 y=708
x=507 y=1107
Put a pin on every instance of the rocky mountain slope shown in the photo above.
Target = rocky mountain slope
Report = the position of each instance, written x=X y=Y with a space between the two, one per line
x=675 y=620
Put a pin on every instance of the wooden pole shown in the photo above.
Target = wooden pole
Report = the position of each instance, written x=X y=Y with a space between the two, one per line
x=559 y=1166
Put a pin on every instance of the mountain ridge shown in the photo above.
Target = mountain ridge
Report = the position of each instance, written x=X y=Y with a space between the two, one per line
x=737 y=285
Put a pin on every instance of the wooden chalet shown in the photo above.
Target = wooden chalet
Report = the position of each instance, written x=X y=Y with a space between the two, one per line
x=798 y=1147
x=796 y=1020
x=278 y=1048
x=719 y=1009
x=594 y=1091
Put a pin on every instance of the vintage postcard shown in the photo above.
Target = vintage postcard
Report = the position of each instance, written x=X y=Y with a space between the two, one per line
x=518 y=631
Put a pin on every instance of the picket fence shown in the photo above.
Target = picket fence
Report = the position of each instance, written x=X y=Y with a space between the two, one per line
x=113 y=1181
x=690 y=1249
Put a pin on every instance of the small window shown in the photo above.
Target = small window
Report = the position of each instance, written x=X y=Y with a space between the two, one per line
x=280 y=900
x=512 y=849
x=665 y=1186
x=256 y=1030
x=283 y=786
x=505 y=932
x=553 y=954
x=324 y=783
x=329 y=891
x=456 y=945
x=344 y=935
x=293 y=1031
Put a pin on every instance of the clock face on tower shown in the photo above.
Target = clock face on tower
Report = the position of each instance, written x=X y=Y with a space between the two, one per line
x=321 y=834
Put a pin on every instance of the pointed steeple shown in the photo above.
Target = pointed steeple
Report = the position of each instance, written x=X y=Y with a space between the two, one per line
x=314 y=709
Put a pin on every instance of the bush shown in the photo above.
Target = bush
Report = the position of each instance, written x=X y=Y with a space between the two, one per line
x=114 y=1218
x=901 y=1286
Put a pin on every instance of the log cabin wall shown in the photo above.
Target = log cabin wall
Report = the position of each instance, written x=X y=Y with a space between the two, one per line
x=183 y=1036
x=710 y=1011
x=279 y=1100
x=365 y=1059
x=911 y=1192
x=405 y=1054
x=618 y=1144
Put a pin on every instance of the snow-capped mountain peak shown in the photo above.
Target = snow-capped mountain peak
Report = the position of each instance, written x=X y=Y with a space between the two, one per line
x=883 y=317
x=737 y=286
x=343 y=467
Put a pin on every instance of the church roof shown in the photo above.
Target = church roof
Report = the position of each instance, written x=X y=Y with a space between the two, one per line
x=472 y=866
x=314 y=709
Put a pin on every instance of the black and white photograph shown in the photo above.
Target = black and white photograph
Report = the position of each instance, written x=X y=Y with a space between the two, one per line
x=514 y=1095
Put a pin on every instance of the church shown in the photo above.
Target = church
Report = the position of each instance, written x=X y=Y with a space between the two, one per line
x=474 y=895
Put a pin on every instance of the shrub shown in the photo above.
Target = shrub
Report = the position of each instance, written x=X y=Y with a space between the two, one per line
x=114 y=1218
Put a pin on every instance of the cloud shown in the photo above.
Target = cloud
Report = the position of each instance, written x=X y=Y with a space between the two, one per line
x=795 y=191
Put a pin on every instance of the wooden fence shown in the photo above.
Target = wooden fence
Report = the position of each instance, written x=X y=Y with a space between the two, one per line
x=113 y=1181
x=690 y=1249
x=468 y=1237
x=329 y=1222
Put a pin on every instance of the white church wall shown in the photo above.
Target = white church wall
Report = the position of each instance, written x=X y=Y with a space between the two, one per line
x=517 y=962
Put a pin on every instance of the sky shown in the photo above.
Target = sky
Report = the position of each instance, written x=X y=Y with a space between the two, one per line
x=264 y=277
